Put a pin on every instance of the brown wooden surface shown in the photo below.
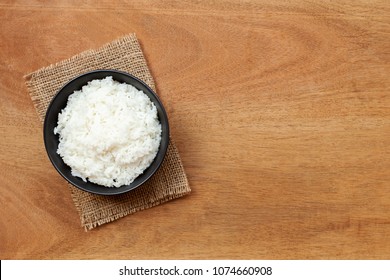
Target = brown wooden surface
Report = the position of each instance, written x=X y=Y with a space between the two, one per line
x=281 y=113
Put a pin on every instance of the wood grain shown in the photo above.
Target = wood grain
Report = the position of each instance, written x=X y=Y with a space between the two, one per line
x=281 y=113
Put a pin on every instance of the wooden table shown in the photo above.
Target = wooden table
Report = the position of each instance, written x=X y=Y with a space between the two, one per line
x=281 y=113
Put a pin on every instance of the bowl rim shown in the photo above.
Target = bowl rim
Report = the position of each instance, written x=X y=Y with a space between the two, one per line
x=163 y=146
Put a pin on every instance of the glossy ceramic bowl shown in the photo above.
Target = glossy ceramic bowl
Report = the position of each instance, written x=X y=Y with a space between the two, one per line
x=51 y=140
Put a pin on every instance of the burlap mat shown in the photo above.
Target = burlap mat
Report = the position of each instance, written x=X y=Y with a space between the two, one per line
x=168 y=183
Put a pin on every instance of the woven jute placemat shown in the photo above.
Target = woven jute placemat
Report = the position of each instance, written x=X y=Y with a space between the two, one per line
x=168 y=183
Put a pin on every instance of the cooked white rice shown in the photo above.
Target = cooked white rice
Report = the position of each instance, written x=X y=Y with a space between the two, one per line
x=109 y=133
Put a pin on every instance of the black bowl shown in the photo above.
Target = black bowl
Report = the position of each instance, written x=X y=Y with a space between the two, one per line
x=51 y=140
